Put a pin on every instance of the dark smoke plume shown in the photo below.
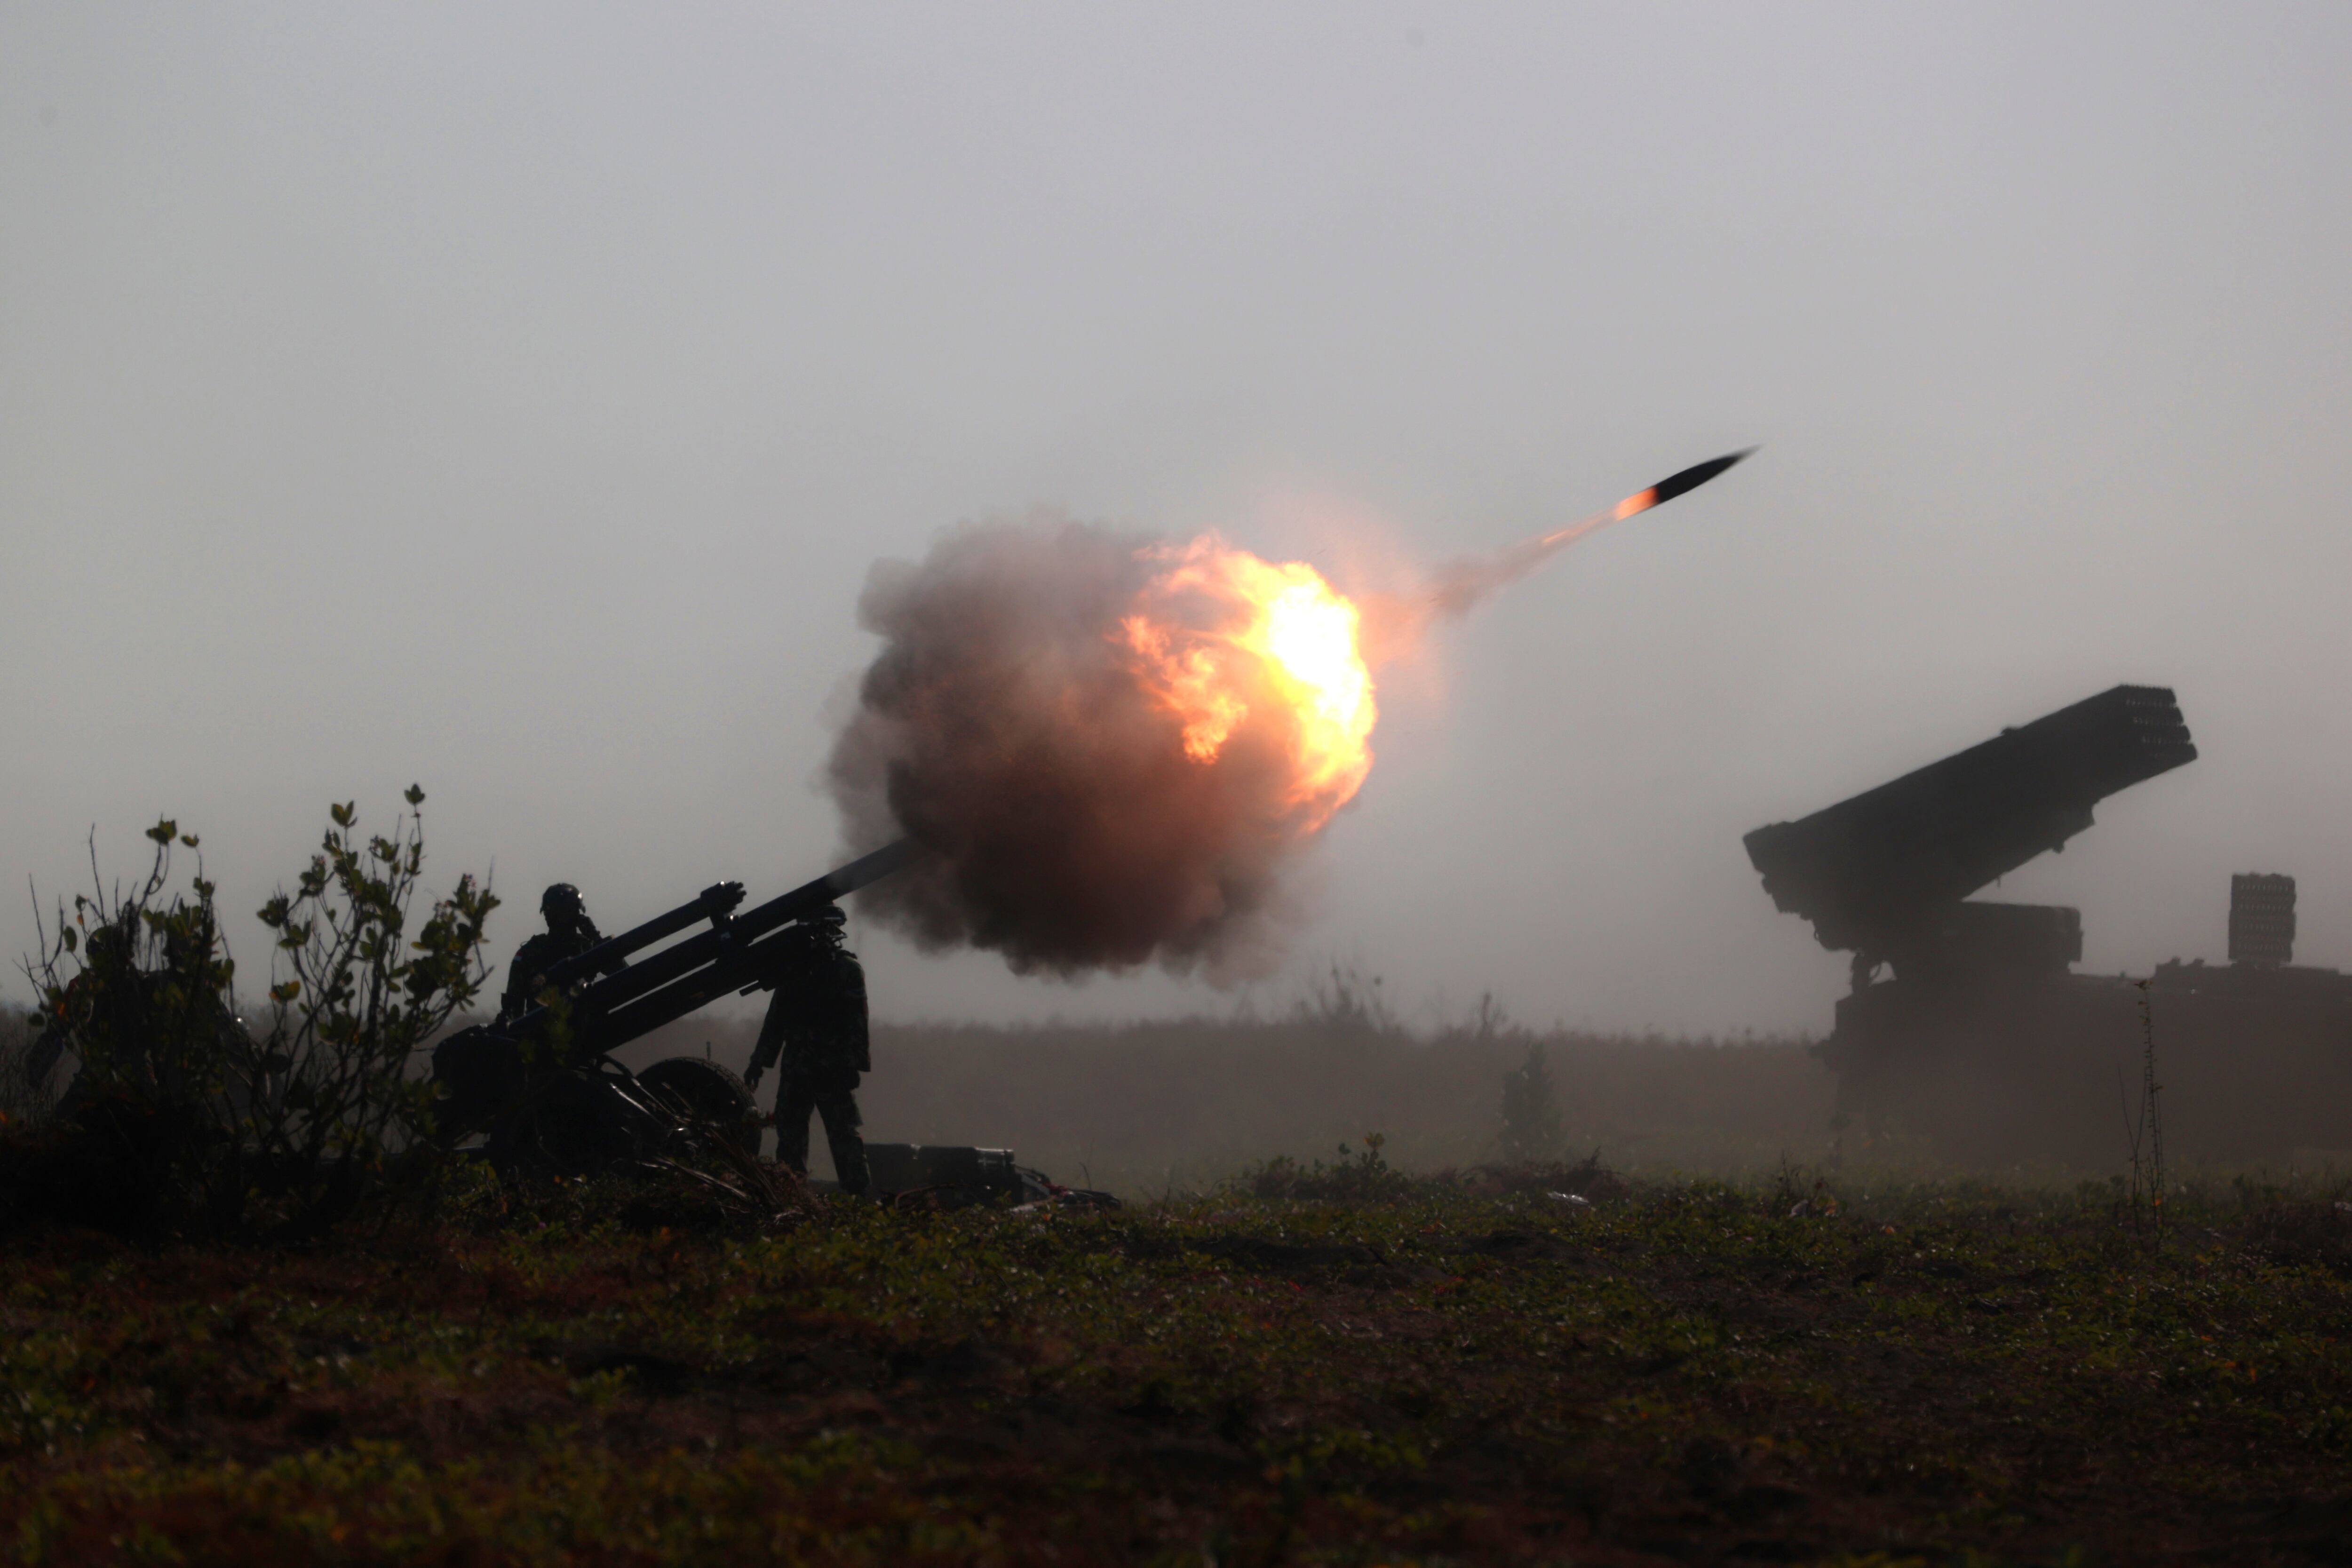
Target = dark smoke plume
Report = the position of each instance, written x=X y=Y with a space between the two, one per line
x=1003 y=728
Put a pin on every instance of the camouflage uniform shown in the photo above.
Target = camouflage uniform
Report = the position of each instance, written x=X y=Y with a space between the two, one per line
x=817 y=1023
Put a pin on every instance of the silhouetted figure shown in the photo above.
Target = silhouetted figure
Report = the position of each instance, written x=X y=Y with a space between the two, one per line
x=816 y=1024
x=105 y=1012
x=156 y=1034
x=569 y=932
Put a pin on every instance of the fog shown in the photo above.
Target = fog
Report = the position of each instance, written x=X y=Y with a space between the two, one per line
x=514 y=400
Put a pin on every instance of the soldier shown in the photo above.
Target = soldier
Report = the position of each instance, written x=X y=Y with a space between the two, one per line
x=157 y=1034
x=817 y=1023
x=103 y=1015
x=569 y=932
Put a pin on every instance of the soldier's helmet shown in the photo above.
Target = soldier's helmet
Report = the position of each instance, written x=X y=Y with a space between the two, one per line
x=561 y=904
x=826 y=922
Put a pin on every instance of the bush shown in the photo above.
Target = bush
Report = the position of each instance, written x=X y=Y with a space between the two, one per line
x=356 y=1001
x=1347 y=1004
x=178 y=1117
x=1587 y=1178
x=136 y=987
x=1531 y=1115
x=1357 y=1176
x=2305 y=1233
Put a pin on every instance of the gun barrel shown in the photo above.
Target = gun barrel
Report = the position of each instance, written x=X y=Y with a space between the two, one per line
x=836 y=884
x=730 y=956
x=713 y=903
x=744 y=961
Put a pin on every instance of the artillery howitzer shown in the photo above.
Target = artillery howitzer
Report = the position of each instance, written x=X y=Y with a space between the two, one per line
x=543 y=1086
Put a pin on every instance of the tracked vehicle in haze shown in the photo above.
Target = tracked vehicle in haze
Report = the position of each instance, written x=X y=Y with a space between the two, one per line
x=1966 y=1025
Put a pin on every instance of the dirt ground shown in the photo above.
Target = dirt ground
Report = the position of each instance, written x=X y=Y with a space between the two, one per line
x=1396 y=1373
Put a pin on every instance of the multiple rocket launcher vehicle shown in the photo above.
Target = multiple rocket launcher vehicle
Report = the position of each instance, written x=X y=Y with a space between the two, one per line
x=1984 y=1041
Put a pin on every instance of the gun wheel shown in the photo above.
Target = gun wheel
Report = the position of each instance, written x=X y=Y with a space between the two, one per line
x=705 y=1091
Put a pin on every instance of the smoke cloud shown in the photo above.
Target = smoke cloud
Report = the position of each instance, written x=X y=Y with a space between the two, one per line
x=1006 y=729
x=1394 y=622
x=1456 y=587
x=1109 y=749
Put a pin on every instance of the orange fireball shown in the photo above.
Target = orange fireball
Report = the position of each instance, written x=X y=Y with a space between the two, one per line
x=1223 y=638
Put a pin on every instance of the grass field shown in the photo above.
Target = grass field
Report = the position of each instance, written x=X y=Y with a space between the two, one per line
x=1786 y=1371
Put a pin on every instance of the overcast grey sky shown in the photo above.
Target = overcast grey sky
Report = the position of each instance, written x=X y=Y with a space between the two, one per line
x=512 y=399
